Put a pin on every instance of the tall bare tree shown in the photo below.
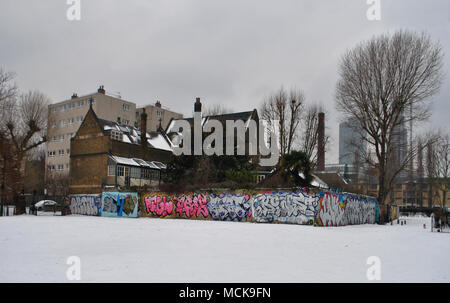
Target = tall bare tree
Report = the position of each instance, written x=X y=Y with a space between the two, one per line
x=384 y=83
x=22 y=129
x=284 y=109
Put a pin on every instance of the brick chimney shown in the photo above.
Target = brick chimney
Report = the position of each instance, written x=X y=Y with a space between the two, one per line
x=74 y=96
x=144 y=128
x=101 y=90
x=321 y=143
x=158 y=104
x=198 y=106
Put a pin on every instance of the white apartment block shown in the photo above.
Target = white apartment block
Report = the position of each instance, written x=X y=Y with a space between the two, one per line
x=157 y=115
x=65 y=118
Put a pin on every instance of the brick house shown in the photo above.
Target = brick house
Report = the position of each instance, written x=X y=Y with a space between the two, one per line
x=105 y=154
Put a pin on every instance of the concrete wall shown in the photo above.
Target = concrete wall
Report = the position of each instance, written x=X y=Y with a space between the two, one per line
x=302 y=208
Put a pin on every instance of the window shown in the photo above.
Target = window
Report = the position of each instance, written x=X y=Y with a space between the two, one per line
x=159 y=113
x=120 y=171
x=60 y=167
x=80 y=104
x=54 y=139
x=63 y=123
x=68 y=151
x=135 y=172
x=51 y=167
x=52 y=153
x=63 y=108
x=67 y=167
x=61 y=152
x=71 y=106
x=126 y=122
x=61 y=138
x=53 y=124
x=71 y=120
x=54 y=109
x=115 y=135
x=80 y=119
x=126 y=107
x=111 y=170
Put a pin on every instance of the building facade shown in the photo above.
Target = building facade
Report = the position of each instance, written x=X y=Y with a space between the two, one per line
x=157 y=116
x=108 y=155
x=66 y=117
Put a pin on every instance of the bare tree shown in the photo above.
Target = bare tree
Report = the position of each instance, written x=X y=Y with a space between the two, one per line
x=284 y=108
x=385 y=83
x=216 y=109
x=23 y=126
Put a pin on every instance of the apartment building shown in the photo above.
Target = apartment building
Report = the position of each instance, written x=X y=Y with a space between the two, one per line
x=157 y=115
x=66 y=117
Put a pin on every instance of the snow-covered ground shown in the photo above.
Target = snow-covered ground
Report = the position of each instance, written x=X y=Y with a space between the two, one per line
x=35 y=249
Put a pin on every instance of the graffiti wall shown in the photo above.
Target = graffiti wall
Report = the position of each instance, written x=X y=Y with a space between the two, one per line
x=87 y=205
x=115 y=204
x=292 y=208
x=344 y=209
x=303 y=208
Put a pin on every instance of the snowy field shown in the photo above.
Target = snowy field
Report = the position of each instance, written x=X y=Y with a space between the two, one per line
x=35 y=249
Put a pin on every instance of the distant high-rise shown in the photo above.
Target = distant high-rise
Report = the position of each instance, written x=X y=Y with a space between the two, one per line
x=400 y=148
x=352 y=146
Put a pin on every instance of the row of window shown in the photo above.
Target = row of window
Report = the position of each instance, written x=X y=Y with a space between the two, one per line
x=61 y=138
x=134 y=172
x=70 y=106
x=59 y=167
x=61 y=152
x=70 y=121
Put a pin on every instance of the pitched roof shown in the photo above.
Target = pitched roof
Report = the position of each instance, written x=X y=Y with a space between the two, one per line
x=132 y=135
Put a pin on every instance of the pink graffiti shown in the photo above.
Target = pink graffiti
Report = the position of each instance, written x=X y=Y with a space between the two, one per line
x=159 y=206
x=195 y=205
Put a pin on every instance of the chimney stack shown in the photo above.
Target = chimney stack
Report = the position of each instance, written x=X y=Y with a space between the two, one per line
x=198 y=106
x=144 y=128
x=101 y=90
x=158 y=104
x=321 y=143
x=74 y=96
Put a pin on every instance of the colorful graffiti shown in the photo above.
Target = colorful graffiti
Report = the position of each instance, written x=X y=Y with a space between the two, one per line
x=157 y=205
x=88 y=205
x=189 y=206
x=115 y=204
x=230 y=207
x=292 y=208
x=323 y=209
x=345 y=209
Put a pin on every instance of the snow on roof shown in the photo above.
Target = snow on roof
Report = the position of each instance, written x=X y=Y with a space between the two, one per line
x=159 y=142
x=138 y=162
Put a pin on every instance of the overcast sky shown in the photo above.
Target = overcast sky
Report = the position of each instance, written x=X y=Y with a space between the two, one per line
x=228 y=52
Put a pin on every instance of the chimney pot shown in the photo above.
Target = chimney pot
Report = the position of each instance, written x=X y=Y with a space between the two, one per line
x=321 y=143
x=198 y=106
x=101 y=89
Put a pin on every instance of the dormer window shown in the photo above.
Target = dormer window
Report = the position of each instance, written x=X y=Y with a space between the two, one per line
x=116 y=135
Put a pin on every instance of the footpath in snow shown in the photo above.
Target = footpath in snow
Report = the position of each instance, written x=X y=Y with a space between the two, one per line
x=36 y=249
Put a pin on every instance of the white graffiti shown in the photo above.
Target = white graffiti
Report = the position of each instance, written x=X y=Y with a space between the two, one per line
x=295 y=208
x=88 y=205
x=229 y=207
x=342 y=210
